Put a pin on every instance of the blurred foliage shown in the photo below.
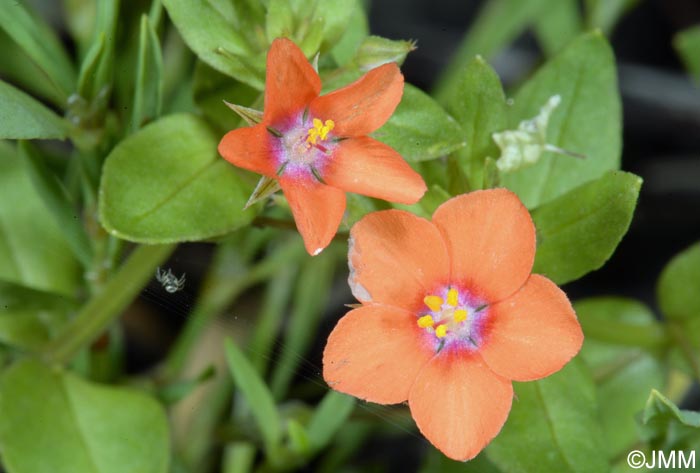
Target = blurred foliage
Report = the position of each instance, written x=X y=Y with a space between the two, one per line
x=110 y=120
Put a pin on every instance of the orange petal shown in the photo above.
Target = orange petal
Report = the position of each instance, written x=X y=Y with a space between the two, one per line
x=248 y=148
x=491 y=240
x=396 y=258
x=374 y=353
x=317 y=209
x=290 y=83
x=363 y=106
x=459 y=404
x=366 y=166
x=533 y=333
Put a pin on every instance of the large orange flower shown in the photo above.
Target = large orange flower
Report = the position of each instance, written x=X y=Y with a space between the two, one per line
x=450 y=315
x=317 y=147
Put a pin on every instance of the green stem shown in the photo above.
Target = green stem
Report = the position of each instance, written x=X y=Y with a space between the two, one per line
x=621 y=333
x=107 y=305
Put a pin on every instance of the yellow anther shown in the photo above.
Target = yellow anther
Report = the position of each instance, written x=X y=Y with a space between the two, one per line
x=453 y=297
x=460 y=315
x=441 y=331
x=319 y=130
x=426 y=321
x=433 y=302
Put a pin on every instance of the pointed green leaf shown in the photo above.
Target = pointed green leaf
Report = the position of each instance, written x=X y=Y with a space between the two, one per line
x=40 y=43
x=687 y=43
x=499 y=22
x=667 y=427
x=258 y=396
x=209 y=32
x=329 y=417
x=678 y=288
x=624 y=374
x=18 y=68
x=167 y=183
x=604 y=14
x=420 y=129
x=553 y=426
x=55 y=197
x=148 y=94
x=479 y=107
x=375 y=51
x=311 y=294
x=96 y=72
x=77 y=426
x=24 y=118
x=579 y=231
x=587 y=122
x=33 y=251
x=557 y=25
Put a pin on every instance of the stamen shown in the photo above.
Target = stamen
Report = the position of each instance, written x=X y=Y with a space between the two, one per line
x=319 y=130
x=453 y=297
x=460 y=315
x=434 y=303
x=426 y=321
x=441 y=331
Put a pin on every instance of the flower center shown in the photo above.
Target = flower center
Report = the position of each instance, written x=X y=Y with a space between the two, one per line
x=304 y=148
x=452 y=317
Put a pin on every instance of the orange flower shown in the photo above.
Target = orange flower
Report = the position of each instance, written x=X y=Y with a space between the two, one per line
x=317 y=148
x=450 y=316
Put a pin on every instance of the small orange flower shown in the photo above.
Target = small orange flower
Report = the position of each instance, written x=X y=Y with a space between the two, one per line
x=317 y=148
x=450 y=316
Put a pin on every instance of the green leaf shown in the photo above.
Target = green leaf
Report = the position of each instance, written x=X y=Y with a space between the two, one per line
x=167 y=183
x=211 y=88
x=258 y=396
x=357 y=30
x=28 y=316
x=579 y=231
x=375 y=51
x=552 y=426
x=148 y=95
x=310 y=298
x=667 y=427
x=209 y=32
x=40 y=43
x=23 y=118
x=33 y=252
x=624 y=374
x=604 y=14
x=328 y=418
x=687 y=43
x=557 y=25
x=420 y=129
x=18 y=68
x=178 y=390
x=480 y=108
x=96 y=71
x=55 y=197
x=499 y=22
x=678 y=288
x=77 y=426
x=584 y=76
x=432 y=199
